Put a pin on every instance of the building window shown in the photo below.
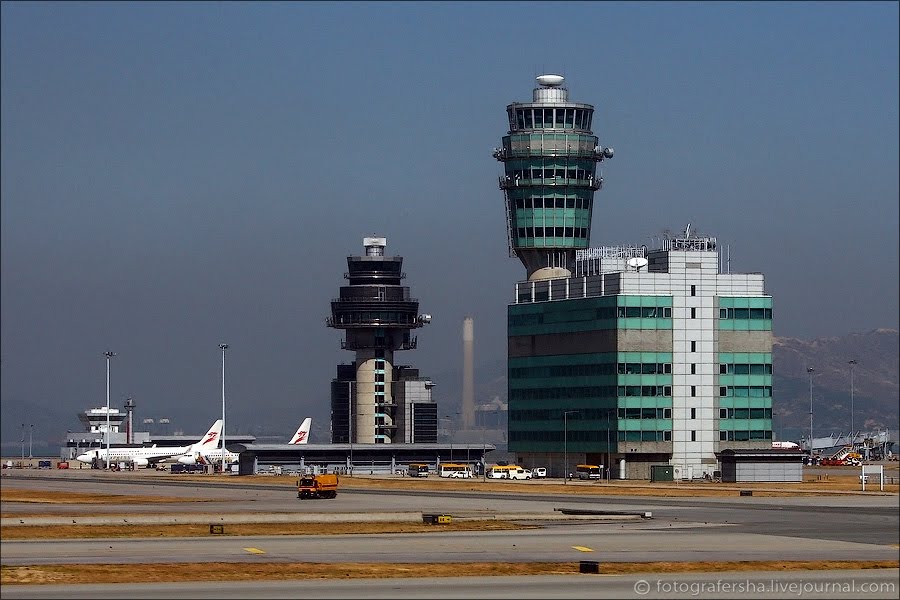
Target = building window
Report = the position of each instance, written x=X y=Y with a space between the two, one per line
x=693 y=393
x=693 y=290
x=667 y=436
x=723 y=436
x=693 y=435
x=723 y=413
x=693 y=346
x=379 y=377
x=693 y=312
x=693 y=413
x=693 y=368
x=723 y=391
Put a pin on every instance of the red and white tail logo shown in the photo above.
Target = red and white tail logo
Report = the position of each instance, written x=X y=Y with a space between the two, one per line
x=212 y=436
x=301 y=437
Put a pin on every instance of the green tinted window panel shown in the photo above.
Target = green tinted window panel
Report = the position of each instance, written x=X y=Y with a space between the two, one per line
x=726 y=325
x=725 y=302
x=630 y=425
x=563 y=359
x=726 y=402
x=760 y=302
x=629 y=402
x=760 y=380
x=760 y=403
x=657 y=402
x=760 y=325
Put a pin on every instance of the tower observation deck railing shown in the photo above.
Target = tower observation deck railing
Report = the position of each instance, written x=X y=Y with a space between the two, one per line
x=409 y=344
x=504 y=154
x=507 y=182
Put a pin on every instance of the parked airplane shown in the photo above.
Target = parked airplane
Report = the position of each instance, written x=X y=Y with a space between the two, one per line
x=148 y=456
x=784 y=445
x=207 y=455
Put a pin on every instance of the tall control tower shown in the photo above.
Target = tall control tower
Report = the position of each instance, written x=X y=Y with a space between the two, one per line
x=377 y=314
x=550 y=158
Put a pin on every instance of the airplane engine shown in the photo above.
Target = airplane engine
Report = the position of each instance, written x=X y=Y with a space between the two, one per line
x=141 y=462
x=187 y=460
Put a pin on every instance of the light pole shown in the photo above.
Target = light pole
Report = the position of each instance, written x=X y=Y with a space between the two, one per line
x=483 y=461
x=852 y=435
x=108 y=356
x=23 y=444
x=350 y=423
x=30 y=440
x=810 y=370
x=224 y=347
x=608 y=454
x=566 y=443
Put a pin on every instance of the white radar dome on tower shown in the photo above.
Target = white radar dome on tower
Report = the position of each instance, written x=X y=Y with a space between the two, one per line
x=550 y=80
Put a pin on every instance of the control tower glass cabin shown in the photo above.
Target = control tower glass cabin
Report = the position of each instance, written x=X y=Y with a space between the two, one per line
x=550 y=161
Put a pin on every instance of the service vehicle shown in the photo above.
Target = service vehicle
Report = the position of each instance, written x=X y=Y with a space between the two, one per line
x=539 y=472
x=508 y=472
x=589 y=472
x=455 y=470
x=417 y=470
x=317 y=486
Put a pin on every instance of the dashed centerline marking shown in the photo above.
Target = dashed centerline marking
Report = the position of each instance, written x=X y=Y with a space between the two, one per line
x=255 y=551
x=583 y=548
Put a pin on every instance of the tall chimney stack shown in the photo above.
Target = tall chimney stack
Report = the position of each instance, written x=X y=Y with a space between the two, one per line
x=468 y=397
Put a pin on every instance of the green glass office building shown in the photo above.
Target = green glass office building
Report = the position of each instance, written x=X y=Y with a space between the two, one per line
x=627 y=357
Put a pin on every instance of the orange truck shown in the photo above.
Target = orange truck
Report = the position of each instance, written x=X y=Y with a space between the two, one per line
x=317 y=486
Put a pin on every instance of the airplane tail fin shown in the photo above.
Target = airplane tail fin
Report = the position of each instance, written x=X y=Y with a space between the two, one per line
x=302 y=435
x=211 y=440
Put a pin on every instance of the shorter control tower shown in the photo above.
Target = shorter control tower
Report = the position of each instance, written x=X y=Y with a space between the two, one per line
x=368 y=404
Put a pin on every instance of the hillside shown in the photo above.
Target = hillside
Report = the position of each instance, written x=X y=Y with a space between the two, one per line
x=875 y=382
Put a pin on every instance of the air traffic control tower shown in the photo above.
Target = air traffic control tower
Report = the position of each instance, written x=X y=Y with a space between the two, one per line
x=550 y=158
x=373 y=400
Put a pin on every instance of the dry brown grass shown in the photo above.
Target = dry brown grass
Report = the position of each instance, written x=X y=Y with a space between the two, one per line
x=151 y=573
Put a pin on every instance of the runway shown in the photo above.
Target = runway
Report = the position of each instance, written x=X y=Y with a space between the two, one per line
x=682 y=529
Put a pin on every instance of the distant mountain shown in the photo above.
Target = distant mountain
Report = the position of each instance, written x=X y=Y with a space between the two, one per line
x=876 y=394
x=875 y=383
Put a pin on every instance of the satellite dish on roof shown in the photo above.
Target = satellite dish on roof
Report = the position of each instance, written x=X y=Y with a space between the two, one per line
x=637 y=262
x=550 y=80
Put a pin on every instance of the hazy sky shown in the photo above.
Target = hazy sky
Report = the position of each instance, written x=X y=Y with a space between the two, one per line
x=177 y=175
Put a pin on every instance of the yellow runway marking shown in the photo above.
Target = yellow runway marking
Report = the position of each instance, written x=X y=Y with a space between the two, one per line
x=583 y=548
x=255 y=551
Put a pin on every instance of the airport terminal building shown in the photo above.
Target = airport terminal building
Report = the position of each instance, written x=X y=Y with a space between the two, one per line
x=621 y=356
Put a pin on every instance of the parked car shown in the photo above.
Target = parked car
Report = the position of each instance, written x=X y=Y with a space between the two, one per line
x=539 y=472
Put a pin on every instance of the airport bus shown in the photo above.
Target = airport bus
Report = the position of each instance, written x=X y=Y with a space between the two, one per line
x=455 y=470
x=508 y=472
x=417 y=470
x=589 y=471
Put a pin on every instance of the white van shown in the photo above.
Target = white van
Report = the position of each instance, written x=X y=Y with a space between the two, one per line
x=508 y=472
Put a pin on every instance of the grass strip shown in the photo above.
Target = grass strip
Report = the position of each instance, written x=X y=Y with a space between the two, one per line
x=219 y=571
